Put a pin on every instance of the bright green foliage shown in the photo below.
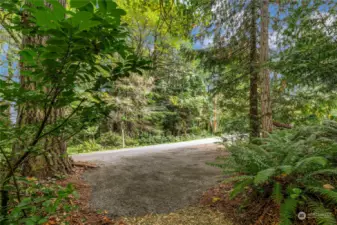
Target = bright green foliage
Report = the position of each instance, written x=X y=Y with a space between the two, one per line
x=307 y=47
x=291 y=167
x=324 y=216
x=303 y=105
x=166 y=102
x=65 y=68
x=287 y=211
x=302 y=65
x=36 y=196
x=111 y=140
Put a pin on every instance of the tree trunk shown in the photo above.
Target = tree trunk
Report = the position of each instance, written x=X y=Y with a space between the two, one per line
x=7 y=113
x=254 y=78
x=53 y=160
x=214 y=116
x=266 y=111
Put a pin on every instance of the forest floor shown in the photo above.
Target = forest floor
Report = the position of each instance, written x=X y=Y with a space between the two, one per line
x=161 y=187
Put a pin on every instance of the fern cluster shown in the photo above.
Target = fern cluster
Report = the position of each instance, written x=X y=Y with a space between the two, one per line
x=295 y=168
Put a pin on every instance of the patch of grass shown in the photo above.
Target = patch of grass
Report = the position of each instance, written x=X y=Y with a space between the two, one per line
x=187 y=216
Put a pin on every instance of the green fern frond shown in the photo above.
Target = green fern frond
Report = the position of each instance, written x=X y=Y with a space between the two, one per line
x=324 y=172
x=250 y=162
x=264 y=175
x=277 y=193
x=323 y=216
x=261 y=152
x=287 y=169
x=287 y=211
x=240 y=187
x=292 y=156
x=237 y=178
x=330 y=196
x=308 y=163
x=220 y=165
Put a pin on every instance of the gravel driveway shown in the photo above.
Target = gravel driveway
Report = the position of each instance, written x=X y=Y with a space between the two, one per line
x=155 y=182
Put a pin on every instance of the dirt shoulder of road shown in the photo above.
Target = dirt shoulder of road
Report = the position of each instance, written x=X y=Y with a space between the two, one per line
x=187 y=216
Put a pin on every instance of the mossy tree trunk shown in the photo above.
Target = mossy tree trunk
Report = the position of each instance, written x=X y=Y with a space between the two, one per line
x=52 y=159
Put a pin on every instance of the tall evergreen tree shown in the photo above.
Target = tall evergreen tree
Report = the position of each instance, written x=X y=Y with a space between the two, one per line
x=254 y=76
x=266 y=111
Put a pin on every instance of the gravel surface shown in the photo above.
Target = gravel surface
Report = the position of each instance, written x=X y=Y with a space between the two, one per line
x=112 y=155
x=154 y=181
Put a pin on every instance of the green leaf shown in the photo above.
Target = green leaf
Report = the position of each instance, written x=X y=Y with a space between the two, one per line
x=286 y=169
x=307 y=163
x=324 y=172
x=277 y=193
x=37 y=2
x=78 y=3
x=42 y=221
x=264 y=175
x=329 y=195
x=58 y=9
x=81 y=17
x=102 y=5
x=322 y=215
x=240 y=187
x=118 y=12
x=110 y=5
x=46 y=19
x=89 y=24
x=57 y=49
x=61 y=43
x=287 y=211
x=4 y=107
x=237 y=178
x=28 y=56
x=50 y=55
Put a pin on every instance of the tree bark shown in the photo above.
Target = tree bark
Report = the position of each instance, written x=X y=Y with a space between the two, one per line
x=53 y=159
x=215 y=125
x=282 y=125
x=266 y=111
x=7 y=113
x=254 y=78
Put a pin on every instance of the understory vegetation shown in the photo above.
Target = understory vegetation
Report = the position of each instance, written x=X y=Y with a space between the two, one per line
x=88 y=75
x=112 y=140
x=294 y=169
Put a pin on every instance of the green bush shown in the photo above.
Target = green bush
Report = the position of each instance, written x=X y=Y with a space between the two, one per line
x=131 y=141
x=110 y=139
x=86 y=146
x=196 y=130
x=296 y=169
x=38 y=202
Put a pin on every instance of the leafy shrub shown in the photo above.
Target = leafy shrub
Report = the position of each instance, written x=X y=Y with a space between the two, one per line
x=38 y=202
x=131 y=141
x=115 y=141
x=160 y=139
x=110 y=139
x=296 y=169
x=86 y=146
x=196 y=130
